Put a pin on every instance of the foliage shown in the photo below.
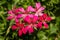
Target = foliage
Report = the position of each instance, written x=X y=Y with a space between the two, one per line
x=52 y=8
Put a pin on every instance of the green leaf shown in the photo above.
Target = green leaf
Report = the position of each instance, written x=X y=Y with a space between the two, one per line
x=55 y=1
x=53 y=28
x=1 y=38
x=2 y=2
x=41 y=35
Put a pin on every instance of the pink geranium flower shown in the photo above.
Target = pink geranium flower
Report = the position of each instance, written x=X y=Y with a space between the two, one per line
x=45 y=18
x=26 y=29
x=39 y=9
x=39 y=25
x=31 y=18
x=16 y=17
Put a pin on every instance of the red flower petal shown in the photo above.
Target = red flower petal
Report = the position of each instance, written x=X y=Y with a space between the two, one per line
x=48 y=19
x=20 y=32
x=35 y=18
x=39 y=25
x=24 y=30
x=45 y=25
x=27 y=19
x=14 y=27
x=19 y=25
x=45 y=16
x=31 y=30
x=41 y=18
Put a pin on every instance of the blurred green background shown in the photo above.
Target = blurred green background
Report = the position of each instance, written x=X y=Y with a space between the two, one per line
x=52 y=8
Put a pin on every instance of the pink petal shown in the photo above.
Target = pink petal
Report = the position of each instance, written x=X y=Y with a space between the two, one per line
x=36 y=14
x=40 y=14
x=10 y=12
x=21 y=10
x=30 y=9
x=38 y=5
x=35 y=25
x=39 y=25
x=24 y=15
x=16 y=10
x=10 y=17
x=27 y=19
x=41 y=9
x=45 y=25
x=30 y=15
x=31 y=30
x=16 y=20
x=19 y=15
x=20 y=32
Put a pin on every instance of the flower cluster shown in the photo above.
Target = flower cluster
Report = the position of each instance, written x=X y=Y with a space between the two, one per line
x=28 y=19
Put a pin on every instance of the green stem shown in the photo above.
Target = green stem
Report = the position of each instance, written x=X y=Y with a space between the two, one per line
x=52 y=14
x=8 y=30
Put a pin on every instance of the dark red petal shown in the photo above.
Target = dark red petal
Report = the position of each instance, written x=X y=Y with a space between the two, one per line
x=45 y=15
x=24 y=30
x=41 y=18
x=14 y=27
x=18 y=24
x=48 y=19
x=39 y=25
x=21 y=25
